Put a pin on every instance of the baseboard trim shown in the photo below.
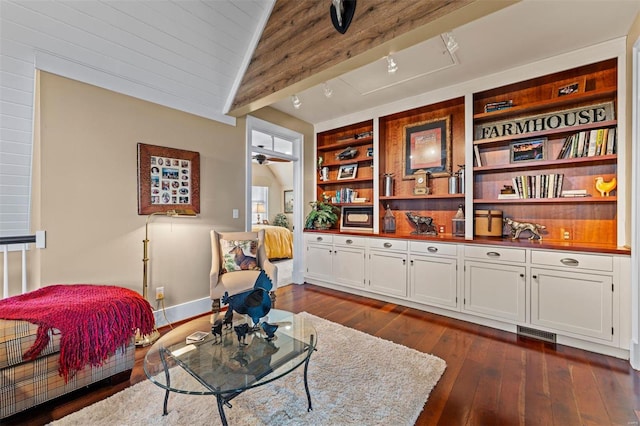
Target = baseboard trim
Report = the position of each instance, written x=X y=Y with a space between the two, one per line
x=183 y=311
x=634 y=356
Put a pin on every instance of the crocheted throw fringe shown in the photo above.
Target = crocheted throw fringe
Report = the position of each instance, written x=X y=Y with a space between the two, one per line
x=93 y=320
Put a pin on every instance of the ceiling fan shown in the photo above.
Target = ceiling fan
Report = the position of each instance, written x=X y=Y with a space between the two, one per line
x=264 y=159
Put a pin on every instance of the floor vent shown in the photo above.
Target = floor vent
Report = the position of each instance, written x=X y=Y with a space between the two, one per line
x=537 y=334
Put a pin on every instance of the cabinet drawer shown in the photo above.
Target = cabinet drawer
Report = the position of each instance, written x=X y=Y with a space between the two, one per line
x=349 y=240
x=318 y=238
x=388 y=244
x=572 y=260
x=495 y=253
x=428 y=247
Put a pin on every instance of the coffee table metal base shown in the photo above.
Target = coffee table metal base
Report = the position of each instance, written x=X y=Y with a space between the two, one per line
x=223 y=399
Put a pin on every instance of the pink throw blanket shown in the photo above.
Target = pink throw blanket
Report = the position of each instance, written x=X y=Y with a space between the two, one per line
x=94 y=321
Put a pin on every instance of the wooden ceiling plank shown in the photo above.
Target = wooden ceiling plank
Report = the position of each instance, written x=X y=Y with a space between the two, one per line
x=300 y=48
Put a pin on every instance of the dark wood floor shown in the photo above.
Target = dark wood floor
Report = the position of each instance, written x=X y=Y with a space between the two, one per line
x=492 y=377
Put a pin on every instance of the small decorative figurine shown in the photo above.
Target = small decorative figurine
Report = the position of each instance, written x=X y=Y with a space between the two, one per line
x=216 y=330
x=270 y=330
x=241 y=331
x=347 y=154
x=605 y=187
x=228 y=319
x=424 y=224
x=517 y=227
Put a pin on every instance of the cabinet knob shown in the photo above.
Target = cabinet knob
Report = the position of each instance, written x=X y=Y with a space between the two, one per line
x=535 y=277
x=318 y=238
x=432 y=249
x=521 y=275
x=569 y=262
x=411 y=263
x=349 y=241
x=404 y=261
x=330 y=251
x=387 y=245
x=493 y=254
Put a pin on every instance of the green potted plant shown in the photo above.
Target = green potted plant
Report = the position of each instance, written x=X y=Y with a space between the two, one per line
x=281 y=220
x=322 y=216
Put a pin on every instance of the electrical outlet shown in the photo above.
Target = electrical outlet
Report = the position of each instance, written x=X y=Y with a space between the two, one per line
x=160 y=293
x=441 y=229
x=566 y=235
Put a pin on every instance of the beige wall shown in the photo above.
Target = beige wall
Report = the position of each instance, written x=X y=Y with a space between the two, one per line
x=85 y=190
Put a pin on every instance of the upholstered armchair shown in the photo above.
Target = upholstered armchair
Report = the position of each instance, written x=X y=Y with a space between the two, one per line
x=236 y=261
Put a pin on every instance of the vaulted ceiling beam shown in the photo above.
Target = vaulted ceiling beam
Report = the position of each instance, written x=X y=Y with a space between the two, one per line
x=300 y=48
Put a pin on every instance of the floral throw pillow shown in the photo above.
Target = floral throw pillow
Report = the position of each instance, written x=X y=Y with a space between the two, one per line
x=238 y=255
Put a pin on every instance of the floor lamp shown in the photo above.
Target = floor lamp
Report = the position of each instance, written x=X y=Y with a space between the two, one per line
x=148 y=339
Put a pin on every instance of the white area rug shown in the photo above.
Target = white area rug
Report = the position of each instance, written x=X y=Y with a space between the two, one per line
x=354 y=379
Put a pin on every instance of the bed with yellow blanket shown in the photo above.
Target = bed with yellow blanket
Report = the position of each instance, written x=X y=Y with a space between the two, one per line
x=278 y=241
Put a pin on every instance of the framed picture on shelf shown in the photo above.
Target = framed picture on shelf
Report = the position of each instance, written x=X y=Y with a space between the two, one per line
x=347 y=171
x=168 y=179
x=427 y=146
x=288 y=201
x=528 y=150
x=569 y=87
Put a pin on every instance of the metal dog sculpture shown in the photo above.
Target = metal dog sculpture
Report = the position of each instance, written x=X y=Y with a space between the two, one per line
x=517 y=227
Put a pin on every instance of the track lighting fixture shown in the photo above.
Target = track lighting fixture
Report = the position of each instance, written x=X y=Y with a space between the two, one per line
x=296 y=102
x=450 y=42
x=328 y=91
x=392 y=67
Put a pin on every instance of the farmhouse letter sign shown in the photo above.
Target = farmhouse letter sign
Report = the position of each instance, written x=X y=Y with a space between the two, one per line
x=555 y=120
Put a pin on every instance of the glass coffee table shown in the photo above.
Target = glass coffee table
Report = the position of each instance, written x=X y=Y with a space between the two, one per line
x=224 y=365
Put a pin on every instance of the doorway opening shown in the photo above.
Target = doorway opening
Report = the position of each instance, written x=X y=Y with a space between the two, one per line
x=274 y=162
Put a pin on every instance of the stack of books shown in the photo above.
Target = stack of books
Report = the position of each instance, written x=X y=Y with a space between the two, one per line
x=570 y=193
x=589 y=143
x=538 y=186
x=496 y=106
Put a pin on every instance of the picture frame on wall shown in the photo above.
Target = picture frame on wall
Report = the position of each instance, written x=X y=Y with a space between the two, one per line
x=569 y=87
x=347 y=171
x=168 y=179
x=427 y=146
x=288 y=201
x=528 y=150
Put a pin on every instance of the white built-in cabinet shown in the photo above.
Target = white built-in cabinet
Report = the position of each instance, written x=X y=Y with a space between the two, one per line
x=388 y=266
x=573 y=293
x=494 y=282
x=576 y=296
x=336 y=258
x=433 y=271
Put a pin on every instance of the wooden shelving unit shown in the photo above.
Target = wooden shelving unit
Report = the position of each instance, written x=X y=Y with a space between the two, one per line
x=331 y=143
x=532 y=98
x=592 y=218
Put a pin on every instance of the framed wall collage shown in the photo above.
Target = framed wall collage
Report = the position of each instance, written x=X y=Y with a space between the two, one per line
x=168 y=179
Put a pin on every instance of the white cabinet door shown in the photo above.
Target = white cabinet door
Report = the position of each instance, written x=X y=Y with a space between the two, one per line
x=433 y=280
x=575 y=302
x=319 y=259
x=388 y=273
x=495 y=290
x=348 y=266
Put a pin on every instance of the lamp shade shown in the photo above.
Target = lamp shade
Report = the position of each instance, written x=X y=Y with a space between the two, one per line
x=259 y=207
